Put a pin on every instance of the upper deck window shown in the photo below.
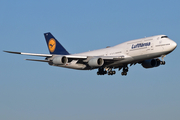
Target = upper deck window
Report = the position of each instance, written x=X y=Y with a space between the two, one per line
x=164 y=37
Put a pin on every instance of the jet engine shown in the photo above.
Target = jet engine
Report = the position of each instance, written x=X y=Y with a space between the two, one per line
x=151 y=63
x=96 y=62
x=60 y=60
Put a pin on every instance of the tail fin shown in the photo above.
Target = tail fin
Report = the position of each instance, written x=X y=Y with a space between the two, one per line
x=54 y=46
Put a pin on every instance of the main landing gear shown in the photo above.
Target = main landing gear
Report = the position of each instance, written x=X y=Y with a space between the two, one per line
x=109 y=71
x=101 y=71
x=125 y=70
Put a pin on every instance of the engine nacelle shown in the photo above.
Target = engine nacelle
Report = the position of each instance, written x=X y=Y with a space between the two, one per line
x=151 y=63
x=96 y=62
x=60 y=60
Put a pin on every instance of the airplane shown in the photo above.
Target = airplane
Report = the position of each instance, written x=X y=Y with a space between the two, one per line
x=145 y=51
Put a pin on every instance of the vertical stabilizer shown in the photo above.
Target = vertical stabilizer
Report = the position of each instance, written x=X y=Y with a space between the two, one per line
x=54 y=46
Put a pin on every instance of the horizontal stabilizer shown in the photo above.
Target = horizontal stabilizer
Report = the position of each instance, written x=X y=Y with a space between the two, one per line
x=37 y=60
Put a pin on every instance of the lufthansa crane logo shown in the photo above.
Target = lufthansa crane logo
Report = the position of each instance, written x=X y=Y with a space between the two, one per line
x=52 y=45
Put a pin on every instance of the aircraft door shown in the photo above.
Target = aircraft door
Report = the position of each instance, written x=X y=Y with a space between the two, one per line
x=161 y=48
x=149 y=47
x=127 y=50
x=152 y=46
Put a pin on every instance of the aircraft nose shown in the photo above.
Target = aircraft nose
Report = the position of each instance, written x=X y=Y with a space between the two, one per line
x=173 y=44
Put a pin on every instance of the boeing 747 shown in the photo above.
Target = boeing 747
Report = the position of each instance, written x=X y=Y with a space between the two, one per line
x=146 y=51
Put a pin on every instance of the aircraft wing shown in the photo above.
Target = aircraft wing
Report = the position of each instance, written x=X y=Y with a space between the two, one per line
x=32 y=54
x=47 y=55
x=76 y=56
x=68 y=56
x=82 y=58
x=112 y=57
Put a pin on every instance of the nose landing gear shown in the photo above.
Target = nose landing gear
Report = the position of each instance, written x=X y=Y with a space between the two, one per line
x=163 y=62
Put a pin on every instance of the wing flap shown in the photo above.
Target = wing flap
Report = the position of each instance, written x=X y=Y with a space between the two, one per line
x=76 y=57
x=115 y=58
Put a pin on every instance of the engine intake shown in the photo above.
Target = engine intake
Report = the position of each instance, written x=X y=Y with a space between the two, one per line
x=60 y=60
x=96 y=62
x=151 y=63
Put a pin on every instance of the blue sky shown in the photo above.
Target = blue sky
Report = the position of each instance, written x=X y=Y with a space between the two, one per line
x=33 y=90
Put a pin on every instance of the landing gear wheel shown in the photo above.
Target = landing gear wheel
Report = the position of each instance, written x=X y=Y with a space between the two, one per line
x=125 y=70
x=124 y=73
x=163 y=62
x=111 y=72
x=101 y=71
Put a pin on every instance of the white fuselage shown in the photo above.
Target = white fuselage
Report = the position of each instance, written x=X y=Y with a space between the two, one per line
x=133 y=51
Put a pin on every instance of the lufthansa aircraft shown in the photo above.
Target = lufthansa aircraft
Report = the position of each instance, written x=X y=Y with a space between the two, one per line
x=145 y=51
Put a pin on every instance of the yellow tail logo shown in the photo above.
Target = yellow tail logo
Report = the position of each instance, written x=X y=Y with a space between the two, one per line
x=52 y=45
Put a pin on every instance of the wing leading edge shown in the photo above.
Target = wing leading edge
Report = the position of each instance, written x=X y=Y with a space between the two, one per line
x=32 y=54
x=47 y=55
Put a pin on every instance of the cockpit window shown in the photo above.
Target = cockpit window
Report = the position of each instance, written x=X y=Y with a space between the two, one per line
x=164 y=37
